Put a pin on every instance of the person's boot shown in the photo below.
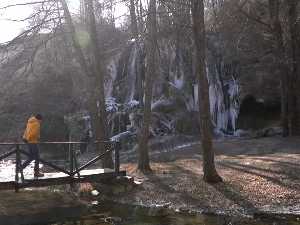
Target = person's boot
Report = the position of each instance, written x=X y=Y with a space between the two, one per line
x=38 y=174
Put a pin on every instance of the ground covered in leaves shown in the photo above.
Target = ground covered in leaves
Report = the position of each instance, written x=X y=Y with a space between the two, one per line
x=259 y=176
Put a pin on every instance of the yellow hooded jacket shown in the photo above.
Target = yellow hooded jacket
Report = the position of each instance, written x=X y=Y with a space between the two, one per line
x=32 y=132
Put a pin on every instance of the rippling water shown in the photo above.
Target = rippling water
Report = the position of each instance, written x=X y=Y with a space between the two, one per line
x=139 y=215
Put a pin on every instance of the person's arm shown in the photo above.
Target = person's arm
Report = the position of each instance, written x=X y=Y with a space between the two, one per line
x=34 y=132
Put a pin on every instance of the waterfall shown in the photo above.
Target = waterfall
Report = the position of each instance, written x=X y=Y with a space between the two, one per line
x=221 y=114
x=179 y=68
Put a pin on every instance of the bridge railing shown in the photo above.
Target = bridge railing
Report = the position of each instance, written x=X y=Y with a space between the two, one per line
x=72 y=157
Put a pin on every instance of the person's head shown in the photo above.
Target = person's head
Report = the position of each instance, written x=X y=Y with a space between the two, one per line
x=39 y=117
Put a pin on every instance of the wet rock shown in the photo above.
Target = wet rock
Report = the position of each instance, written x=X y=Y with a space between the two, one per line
x=242 y=133
x=159 y=211
x=113 y=220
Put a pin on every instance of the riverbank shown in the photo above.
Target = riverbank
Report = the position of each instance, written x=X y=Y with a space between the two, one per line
x=260 y=176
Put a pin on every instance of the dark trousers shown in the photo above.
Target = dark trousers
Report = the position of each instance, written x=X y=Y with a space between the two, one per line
x=35 y=151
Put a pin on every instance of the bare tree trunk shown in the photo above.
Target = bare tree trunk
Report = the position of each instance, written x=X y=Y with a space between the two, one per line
x=144 y=157
x=86 y=73
x=284 y=76
x=295 y=77
x=101 y=130
x=209 y=170
x=137 y=47
x=81 y=59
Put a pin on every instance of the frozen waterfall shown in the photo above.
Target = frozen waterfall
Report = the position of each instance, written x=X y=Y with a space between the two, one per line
x=181 y=74
x=221 y=113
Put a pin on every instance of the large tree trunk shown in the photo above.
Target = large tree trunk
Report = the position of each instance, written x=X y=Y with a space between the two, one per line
x=294 y=117
x=102 y=126
x=281 y=59
x=150 y=70
x=137 y=49
x=87 y=78
x=209 y=170
x=85 y=70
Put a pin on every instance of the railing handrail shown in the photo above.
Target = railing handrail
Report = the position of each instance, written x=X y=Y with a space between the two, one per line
x=64 y=142
x=72 y=156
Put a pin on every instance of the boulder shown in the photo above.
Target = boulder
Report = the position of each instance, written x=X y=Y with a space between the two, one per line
x=237 y=133
x=242 y=133
x=217 y=133
x=159 y=211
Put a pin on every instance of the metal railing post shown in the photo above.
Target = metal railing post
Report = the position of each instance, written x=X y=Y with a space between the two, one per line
x=17 y=167
x=71 y=163
x=75 y=162
x=19 y=163
x=117 y=157
x=17 y=160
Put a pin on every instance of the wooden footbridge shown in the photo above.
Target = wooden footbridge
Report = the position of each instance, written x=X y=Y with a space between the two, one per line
x=74 y=174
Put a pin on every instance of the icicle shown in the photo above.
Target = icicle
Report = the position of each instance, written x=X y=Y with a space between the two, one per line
x=196 y=96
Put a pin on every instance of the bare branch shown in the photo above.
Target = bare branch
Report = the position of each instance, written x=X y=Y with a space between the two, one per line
x=252 y=17
x=28 y=3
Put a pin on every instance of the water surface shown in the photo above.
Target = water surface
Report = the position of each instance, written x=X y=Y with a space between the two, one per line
x=135 y=215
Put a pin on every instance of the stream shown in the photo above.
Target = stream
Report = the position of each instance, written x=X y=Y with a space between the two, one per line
x=113 y=213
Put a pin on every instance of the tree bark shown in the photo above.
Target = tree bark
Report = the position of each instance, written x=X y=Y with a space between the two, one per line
x=85 y=70
x=137 y=47
x=82 y=62
x=102 y=128
x=150 y=70
x=281 y=59
x=210 y=173
x=294 y=118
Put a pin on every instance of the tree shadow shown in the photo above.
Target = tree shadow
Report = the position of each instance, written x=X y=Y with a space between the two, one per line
x=229 y=191
x=283 y=169
x=161 y=183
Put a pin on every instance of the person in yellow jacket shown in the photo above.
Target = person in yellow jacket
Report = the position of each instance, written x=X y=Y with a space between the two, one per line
x=32 y=137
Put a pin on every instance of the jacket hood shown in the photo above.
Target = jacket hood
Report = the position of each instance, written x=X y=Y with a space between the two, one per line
x=33 y=120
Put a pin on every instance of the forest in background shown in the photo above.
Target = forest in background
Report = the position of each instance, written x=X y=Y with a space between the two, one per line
x=45 y=70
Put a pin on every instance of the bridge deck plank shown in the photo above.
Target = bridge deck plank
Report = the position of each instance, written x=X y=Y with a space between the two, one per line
x=58 y=178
